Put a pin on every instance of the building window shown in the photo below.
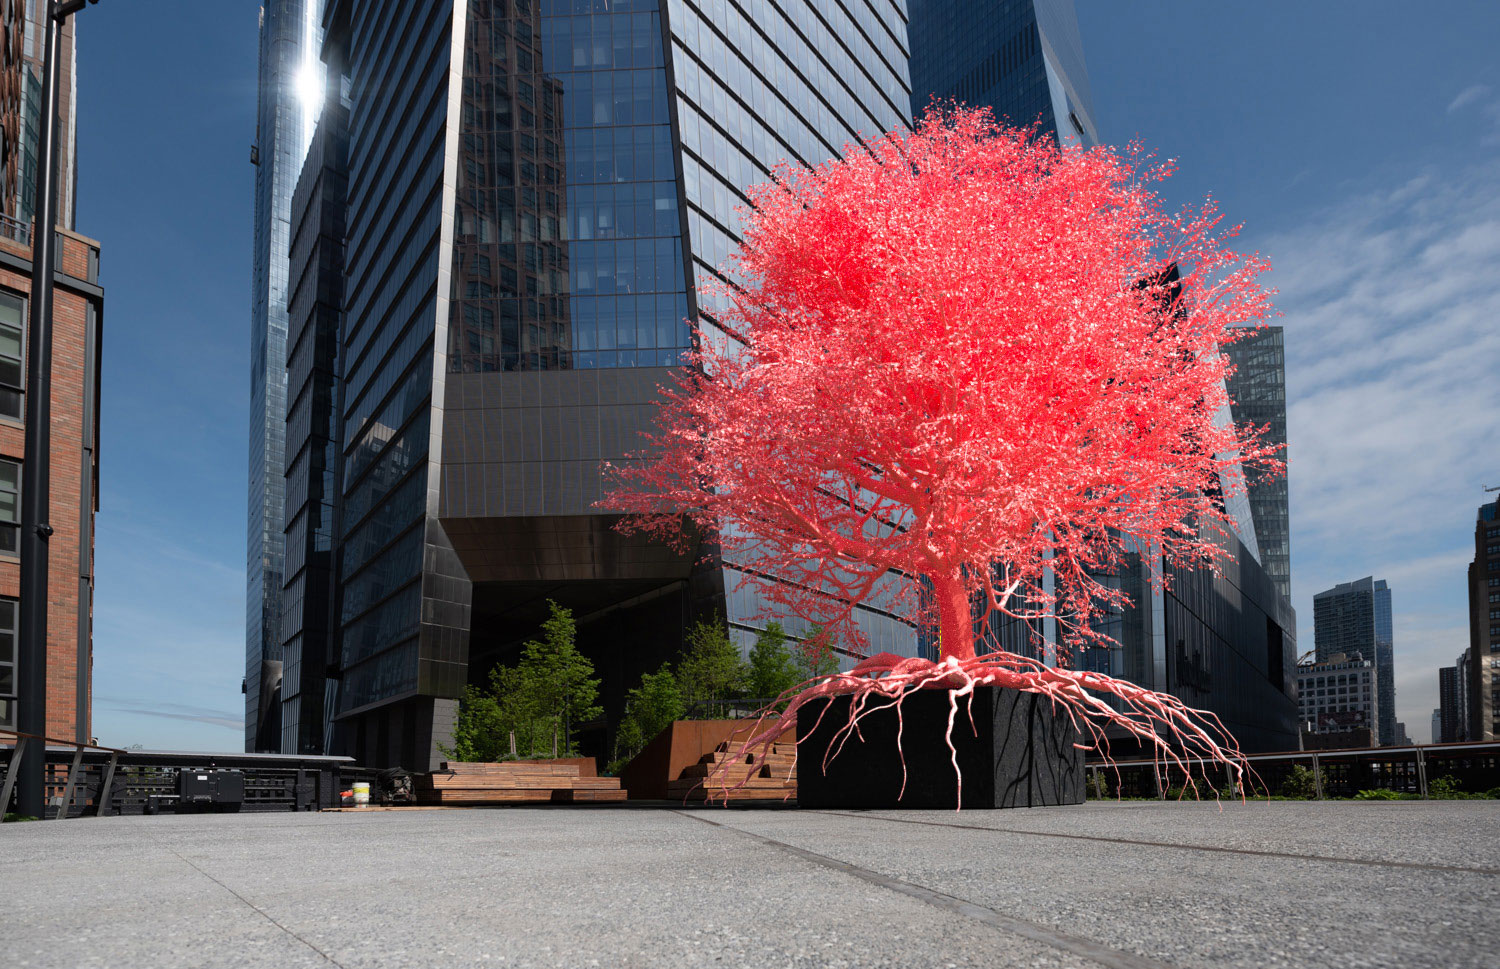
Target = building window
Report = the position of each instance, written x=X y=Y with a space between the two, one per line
x=10 y=508
x=8 y=664
x=12 y=325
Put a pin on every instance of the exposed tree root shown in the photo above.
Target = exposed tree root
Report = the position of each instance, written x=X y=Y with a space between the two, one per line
x=1178 y=735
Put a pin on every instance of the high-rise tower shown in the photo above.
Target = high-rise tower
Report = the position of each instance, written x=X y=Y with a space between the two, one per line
x=1257 y=390
x=534 y=189
x=1021 y=58
x=1355 y=617
x=291 y=94
x=1480 y=676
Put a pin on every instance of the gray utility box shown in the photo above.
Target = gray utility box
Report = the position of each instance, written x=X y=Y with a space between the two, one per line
x=210 y=790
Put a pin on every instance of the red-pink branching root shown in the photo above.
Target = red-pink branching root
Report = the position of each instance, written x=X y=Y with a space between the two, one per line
x=1180 y=736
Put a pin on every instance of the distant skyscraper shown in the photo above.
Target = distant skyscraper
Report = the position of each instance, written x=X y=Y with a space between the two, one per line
x=1462 y=728
x=290 y=96
x=1483 y=686
x=1355 y=617
x=1437 y=726
x=1021 y=58
x=1448 y=707
x=1258 y=394
x=534 y=190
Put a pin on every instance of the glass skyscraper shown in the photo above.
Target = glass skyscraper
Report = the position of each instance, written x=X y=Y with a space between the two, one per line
x=1021 y=58
x=1257 y=390
x=289 y=99
x=534 y=189
x=1355 y=617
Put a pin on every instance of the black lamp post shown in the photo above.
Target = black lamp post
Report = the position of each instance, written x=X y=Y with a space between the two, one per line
x=31 y=710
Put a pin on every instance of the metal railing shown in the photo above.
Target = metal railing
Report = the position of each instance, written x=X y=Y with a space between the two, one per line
x=1410 y=769
x=21 y=741
x=15 y=230
x=740 y=709
x=86 y=780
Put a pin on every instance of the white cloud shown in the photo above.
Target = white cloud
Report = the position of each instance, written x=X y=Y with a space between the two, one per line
x=1469 y=95
x=1391 y=304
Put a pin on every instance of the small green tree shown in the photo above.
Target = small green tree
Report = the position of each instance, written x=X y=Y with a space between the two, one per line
x=773 y=671
x=649 y=709
x=539 y=700
x=554 y=682
x=816 y=655
x=711 y=670
x=478 y=734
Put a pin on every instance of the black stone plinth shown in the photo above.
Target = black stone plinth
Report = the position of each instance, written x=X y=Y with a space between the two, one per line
x=1017 y=753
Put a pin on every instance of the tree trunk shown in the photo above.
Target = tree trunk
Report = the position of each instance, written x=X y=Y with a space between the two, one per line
x=955 y=618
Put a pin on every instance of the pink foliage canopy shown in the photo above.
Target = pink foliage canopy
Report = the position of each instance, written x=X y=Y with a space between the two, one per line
x=956 y=354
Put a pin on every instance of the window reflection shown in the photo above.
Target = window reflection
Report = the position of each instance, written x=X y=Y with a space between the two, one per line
x=567 y=242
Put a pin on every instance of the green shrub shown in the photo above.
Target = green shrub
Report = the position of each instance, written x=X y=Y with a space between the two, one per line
x=1383 y=794
x=1098 y=787
x=1446 y=788
x=1300 y=782
x=1493 y=793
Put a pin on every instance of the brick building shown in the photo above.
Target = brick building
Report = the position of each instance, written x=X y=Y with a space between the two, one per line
x=77 y=319
x=78 y=313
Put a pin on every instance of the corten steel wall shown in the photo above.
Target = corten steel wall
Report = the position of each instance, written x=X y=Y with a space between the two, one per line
x=77 y=320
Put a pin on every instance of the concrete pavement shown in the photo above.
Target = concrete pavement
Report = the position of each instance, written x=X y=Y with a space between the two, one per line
x=1138 y=885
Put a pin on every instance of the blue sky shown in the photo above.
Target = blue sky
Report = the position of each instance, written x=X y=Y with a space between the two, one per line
x=1357 y=142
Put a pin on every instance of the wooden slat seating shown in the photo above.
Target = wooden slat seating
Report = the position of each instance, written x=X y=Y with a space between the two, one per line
x=775 y=779
x=515 y=782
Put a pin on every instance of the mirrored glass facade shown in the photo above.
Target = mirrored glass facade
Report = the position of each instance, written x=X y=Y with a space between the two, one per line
x=1257 y=391
x=288 y=38
x=1023 y=59
x=1355 y=617
x=755 y=84
x=534 y=190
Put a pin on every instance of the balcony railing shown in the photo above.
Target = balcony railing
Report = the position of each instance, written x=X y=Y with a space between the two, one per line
x=15 y=230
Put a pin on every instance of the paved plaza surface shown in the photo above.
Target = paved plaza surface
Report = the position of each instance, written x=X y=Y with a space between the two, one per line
x=1132 y=885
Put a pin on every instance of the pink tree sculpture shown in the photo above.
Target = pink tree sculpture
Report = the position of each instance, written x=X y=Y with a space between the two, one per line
x=956 y=356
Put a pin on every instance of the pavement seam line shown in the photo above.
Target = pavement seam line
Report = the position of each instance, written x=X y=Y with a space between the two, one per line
x=256 y=908
x=1422 y=866
x=1085 y=948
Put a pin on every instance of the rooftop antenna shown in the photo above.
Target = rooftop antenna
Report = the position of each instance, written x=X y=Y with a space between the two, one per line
x=1496 y=488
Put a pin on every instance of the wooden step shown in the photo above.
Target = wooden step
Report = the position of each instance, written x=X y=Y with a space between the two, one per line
x=508 y=767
